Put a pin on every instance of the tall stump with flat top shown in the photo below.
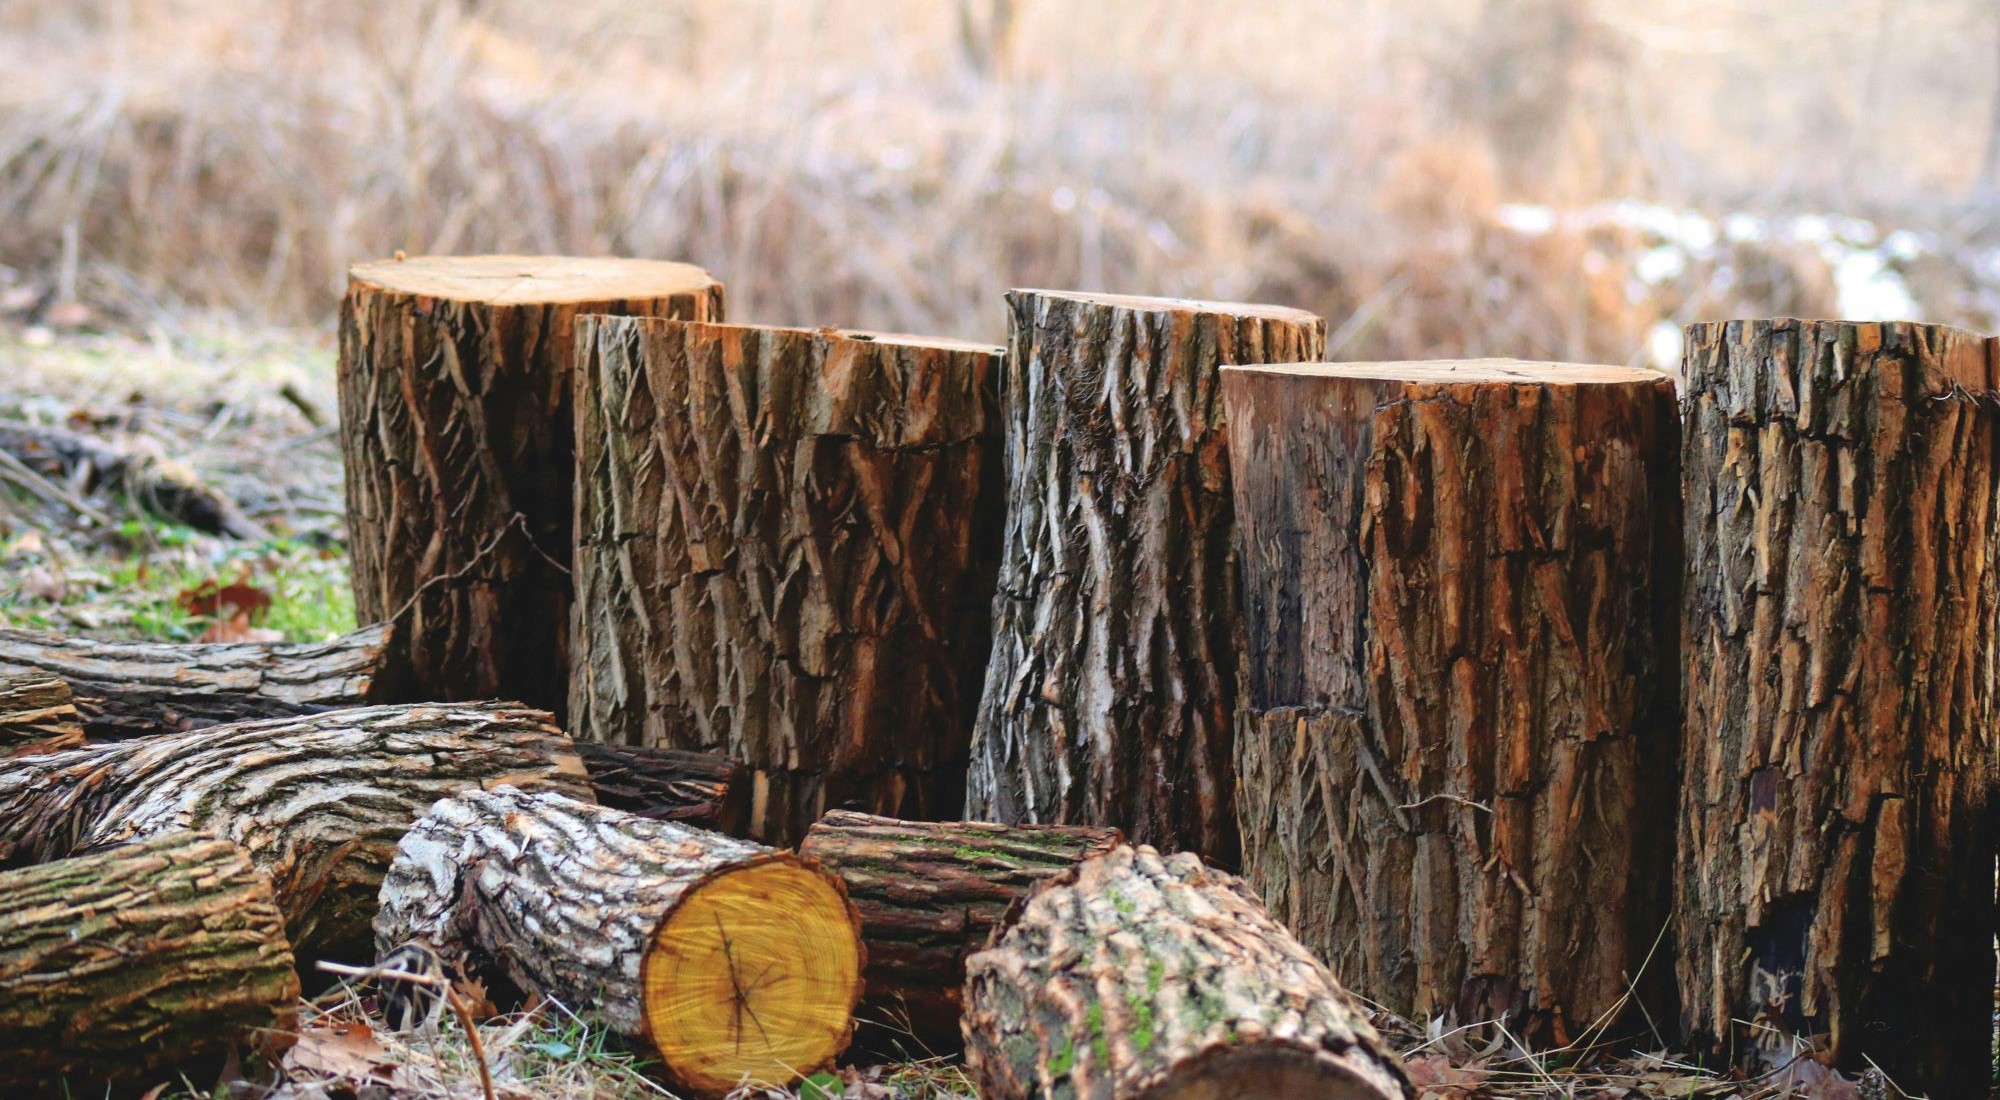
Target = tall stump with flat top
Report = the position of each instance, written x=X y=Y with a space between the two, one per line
x=1837 y=847
x=1462 y=589
x=788 y=545
x=456 y=425
x=1112 y=687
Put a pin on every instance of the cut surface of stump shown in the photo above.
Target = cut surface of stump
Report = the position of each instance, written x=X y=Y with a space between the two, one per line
x=1456 y=768
x=119 y=966
x=1111 y=689
x=736 y=963
x=1138 y=975
x=787 y=555
x=929 y=895
x=456 y=426
x=1836 y=867
x=37 y=715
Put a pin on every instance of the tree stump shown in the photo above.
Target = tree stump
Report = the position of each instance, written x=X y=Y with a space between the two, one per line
x=1462 y=586
x=929 y=895
x=787 y=556
x=1837 y=848
x=1136 y=975
x=129 y=689
x=455 y=418
x=135 y=960
x=735 y=963
x=37 y=715
x=1112 y=686
x=318 y=802
x=694 y=788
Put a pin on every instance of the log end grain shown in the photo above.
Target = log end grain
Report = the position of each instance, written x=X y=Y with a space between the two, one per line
x=532 y=280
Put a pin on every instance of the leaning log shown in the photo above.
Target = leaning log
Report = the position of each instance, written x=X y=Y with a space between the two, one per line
x=1461 y=589
x=123 y=965
x=1137 y=975
x=1112 y=685
x=456 y=427
x=130 y=689
x=732 y=962
x=700 y=789
x=37 y=715
x=786 y=555
x=1843 y=557
x=318 y=802
x=929 y=895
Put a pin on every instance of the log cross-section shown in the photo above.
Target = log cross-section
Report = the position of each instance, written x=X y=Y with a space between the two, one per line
x=456 y=428
x=1111 y=690
x=1843 y=555
x=1456 y=771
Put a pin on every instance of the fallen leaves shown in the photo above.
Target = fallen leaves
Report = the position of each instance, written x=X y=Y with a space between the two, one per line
x=341 y=1048
x=234 y=609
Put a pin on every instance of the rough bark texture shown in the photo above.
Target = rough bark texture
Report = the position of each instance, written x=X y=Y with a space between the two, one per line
x=930 y=895
x=129 y=689
x=1462 y=593
x=693 y=788
x=1112 y=687
x=588 y=906
x=318 y=802
x=1837 y=848
x=455 y=419
x=162 y=486
x=1137 y=975
x=37 y=715
x=116 y=967
x=787 y=556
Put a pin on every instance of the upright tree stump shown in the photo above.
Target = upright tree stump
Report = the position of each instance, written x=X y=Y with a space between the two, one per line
x=1456 y=778
x=455 y=417
x=1837 y=845
x=787 y=556
x=1113 y=681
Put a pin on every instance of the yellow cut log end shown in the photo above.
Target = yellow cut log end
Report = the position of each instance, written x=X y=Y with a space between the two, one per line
x=753 y=978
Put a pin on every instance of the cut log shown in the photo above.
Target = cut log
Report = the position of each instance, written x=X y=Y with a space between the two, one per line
x=735 y=963
x=786 y=555
x=930 y=895
x=1137 y=975
x=37 y=715
x=455 y=398
x=1112 y=687
x=318 y=802
x=130 y=689
x=1837 y=848
x=130 y=962
x=1462 y=591
x=693 y=788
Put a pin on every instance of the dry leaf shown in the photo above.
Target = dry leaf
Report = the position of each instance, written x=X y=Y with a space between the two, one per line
x=344 y=1048
x=222 y=601
x=237 y=628
x=472 y=994
x=41 y=583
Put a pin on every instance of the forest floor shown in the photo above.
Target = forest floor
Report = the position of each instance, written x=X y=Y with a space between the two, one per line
x=251 y=413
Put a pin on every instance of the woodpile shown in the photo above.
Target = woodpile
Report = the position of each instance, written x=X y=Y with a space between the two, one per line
x=37 y=714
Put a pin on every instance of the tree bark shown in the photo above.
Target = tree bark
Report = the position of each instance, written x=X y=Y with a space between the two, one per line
x=1837 y=847
x=1112 y=686
x=694 y=788
x=455 y=381
x=736 y=963
x=930 y=895
x=787 y=556
x=136 y=960
x=318 y=802
x=130 y=689
x=1136 y=975
x=37 y=715
x=1462 y=586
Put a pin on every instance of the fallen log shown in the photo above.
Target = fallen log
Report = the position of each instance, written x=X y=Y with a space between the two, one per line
x=1137 y=975
x=1835 y=879
x=734 y=963
x=123 y=964
x=37 y=715
x=1111 y=690
x=455 y=422
x=700 y=789
x=318 y=802
x=131 y=689
x=929 y=895
x=1455 y=774
x=161 y=486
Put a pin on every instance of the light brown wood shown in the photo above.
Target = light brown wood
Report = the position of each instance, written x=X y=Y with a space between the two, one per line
x=37 y=715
